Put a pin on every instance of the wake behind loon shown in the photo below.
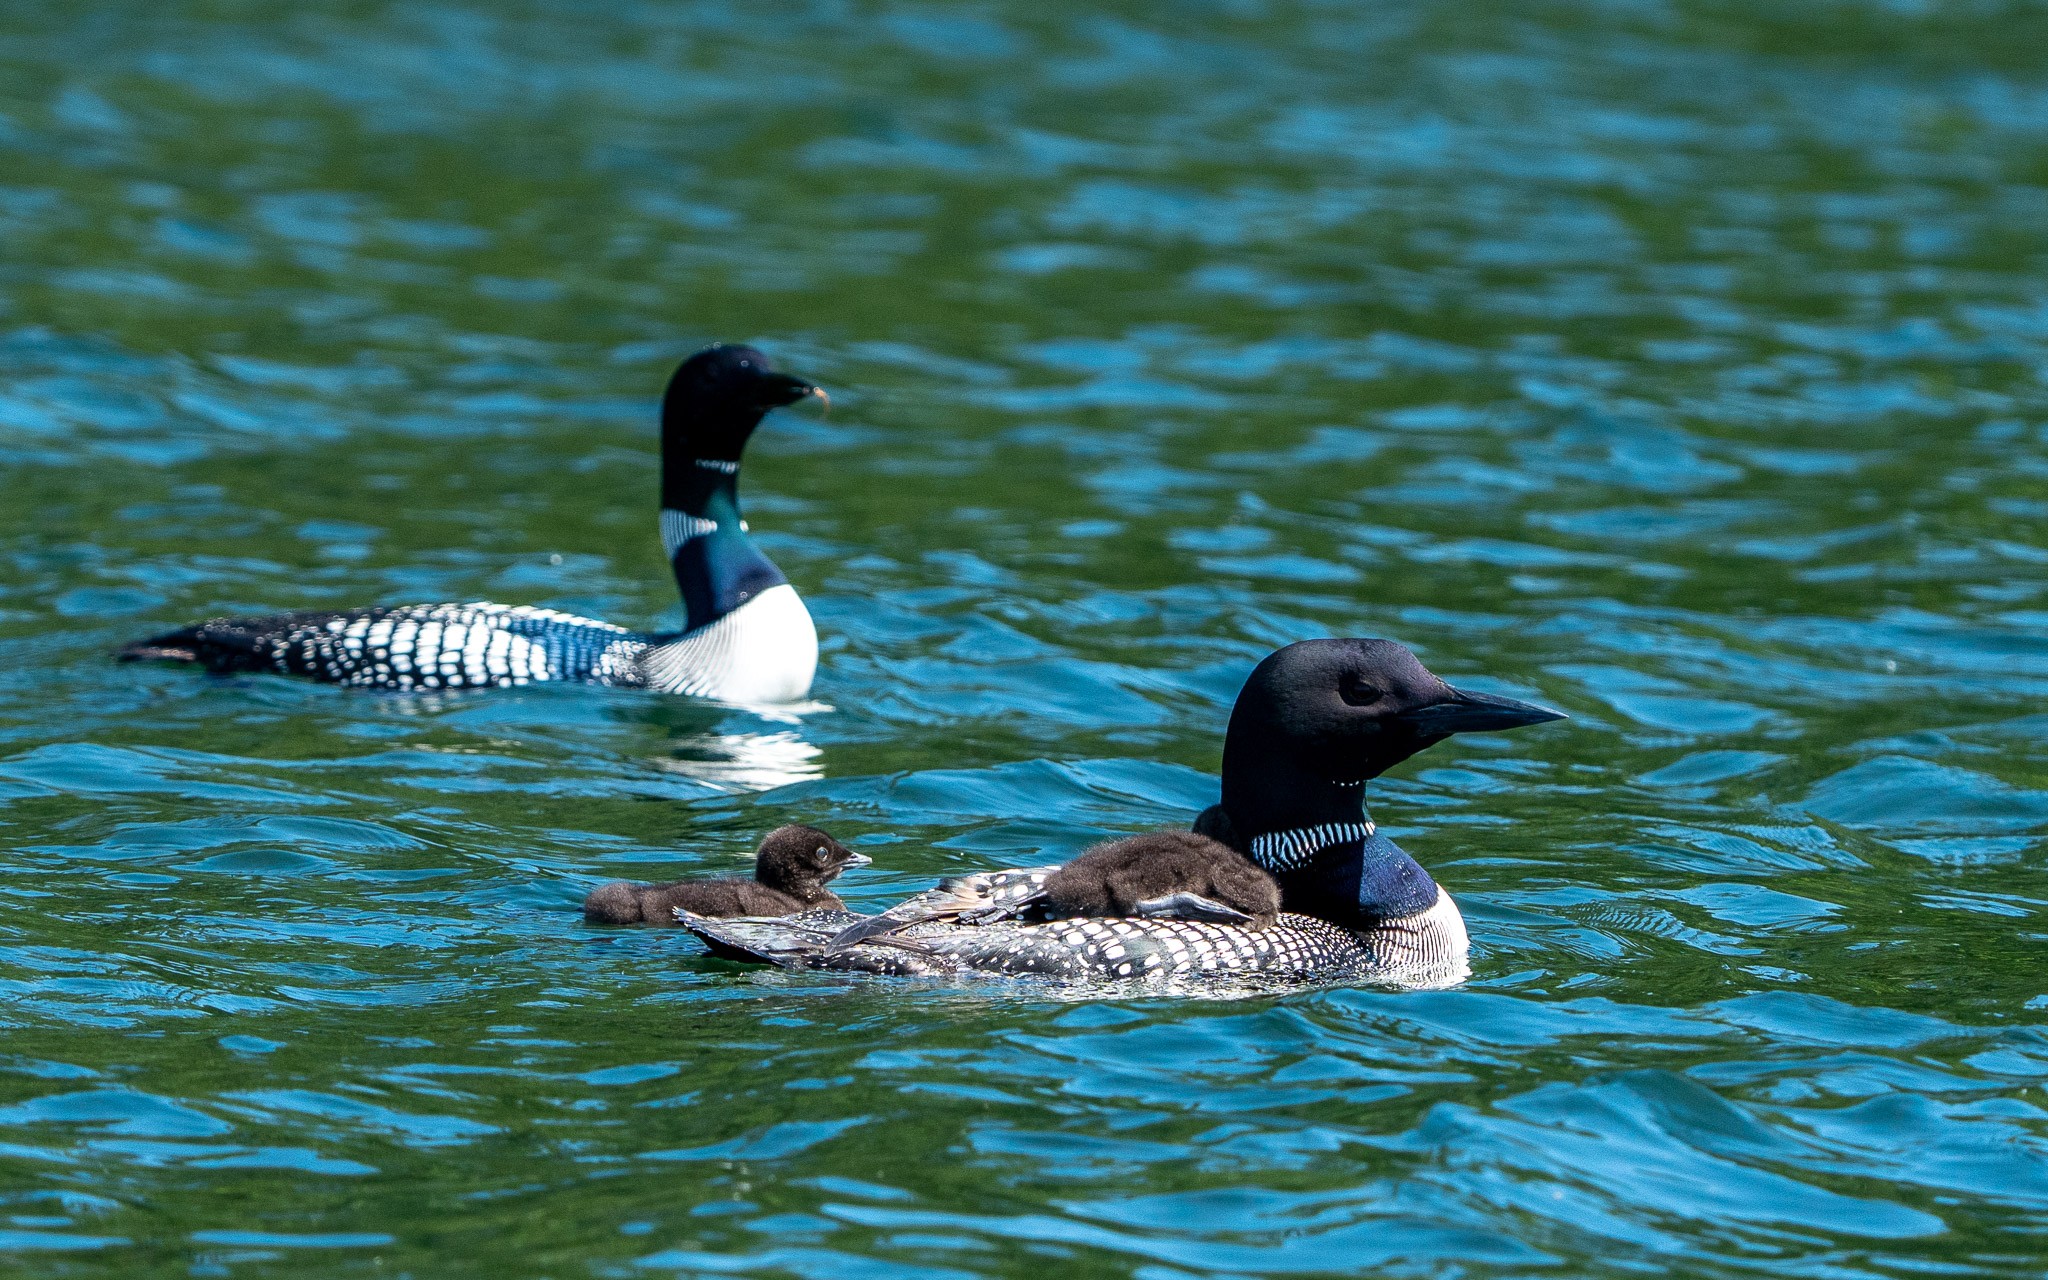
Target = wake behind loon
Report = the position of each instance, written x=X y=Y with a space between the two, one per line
x=748 y=637
x=1313 y=724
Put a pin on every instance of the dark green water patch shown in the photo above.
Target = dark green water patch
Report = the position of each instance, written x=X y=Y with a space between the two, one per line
x=1680 y=365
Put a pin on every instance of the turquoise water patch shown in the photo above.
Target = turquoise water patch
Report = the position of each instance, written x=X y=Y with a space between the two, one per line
x=1680 y=366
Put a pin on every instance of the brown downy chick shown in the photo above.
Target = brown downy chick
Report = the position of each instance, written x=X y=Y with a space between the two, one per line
x=790 y=873
x=1171 y=874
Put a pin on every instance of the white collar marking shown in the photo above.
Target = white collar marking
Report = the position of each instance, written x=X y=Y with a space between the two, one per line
x=1286 y=850
x=679 y=527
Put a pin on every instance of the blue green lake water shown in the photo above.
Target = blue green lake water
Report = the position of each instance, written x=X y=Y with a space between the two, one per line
x=1683 y=365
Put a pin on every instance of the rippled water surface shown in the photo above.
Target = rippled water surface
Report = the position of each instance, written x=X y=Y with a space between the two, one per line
x=1683 y=365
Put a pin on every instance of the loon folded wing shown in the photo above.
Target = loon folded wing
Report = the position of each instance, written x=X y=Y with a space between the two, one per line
x=800 y=942
x=778 y=940
x=1189 y=906
x=1113 y=948
x=445 y=646
x=983 y=897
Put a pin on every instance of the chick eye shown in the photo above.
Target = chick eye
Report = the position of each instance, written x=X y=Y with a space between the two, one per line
x=1357 y=693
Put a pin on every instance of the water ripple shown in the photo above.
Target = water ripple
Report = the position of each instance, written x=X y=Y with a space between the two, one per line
x=1681 y=366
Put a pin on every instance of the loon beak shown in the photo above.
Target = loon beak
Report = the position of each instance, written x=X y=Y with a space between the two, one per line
x=856 y=860
x=1467 y=712
x=779 y=389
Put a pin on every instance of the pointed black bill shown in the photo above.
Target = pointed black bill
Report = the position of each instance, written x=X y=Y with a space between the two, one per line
x=1468 y=712
x=780 y=389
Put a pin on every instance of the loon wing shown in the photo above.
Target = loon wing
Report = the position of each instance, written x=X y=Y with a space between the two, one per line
x=1112 y=948
x=776 y=940
x=1189 y=906
x=443 y=646
x=800 y=942
x=1428 y=950
x=981 y=898
x=1100 y=949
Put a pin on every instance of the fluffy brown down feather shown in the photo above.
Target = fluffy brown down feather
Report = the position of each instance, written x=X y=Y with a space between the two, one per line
x=1111 y=879
x=790 y=873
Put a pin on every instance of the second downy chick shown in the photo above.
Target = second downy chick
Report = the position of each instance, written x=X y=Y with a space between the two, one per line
x=1174 y=874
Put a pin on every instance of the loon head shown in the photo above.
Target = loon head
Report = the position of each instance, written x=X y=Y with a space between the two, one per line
x=801 y=861
x=717 y=397
x=713 y=403
x=1318 y=719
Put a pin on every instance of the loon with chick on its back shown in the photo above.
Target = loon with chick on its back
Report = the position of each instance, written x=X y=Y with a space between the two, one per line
x=1313 y=724
x=747 y=638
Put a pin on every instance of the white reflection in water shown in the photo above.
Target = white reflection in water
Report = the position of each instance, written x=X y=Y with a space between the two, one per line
x=748 y=761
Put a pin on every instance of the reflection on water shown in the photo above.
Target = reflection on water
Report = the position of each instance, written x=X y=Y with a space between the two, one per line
x=1682 y=365
x=748 y=761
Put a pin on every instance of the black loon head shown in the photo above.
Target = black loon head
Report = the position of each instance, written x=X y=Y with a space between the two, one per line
x=1315 y=722
x=713 y=403
x=715 y=400
x=801 y=861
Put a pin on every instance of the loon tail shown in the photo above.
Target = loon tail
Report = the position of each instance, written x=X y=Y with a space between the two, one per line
x=792 y=943
x=781 y=941
x=172 y=646
x=223 y=644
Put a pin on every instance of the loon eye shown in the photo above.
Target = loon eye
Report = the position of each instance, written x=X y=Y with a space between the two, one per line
x=1357 y=693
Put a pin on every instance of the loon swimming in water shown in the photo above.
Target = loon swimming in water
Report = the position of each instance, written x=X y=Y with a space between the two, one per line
x=1314 y=723
x=791 y=869
x=748 y=637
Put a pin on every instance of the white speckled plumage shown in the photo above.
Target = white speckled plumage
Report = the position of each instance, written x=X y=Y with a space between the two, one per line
x=1426 y=950
x=763 y=651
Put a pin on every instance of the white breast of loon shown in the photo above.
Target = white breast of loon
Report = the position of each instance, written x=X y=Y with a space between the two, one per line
x=764 y=651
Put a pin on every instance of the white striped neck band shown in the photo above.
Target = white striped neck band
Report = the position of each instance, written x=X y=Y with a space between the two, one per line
x=718 y=464
x=678 y=527
x=1286 y=850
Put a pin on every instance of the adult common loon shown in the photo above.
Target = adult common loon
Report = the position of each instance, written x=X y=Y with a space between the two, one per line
x=748 y=637
x=791 y=869
x=1313 y=724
